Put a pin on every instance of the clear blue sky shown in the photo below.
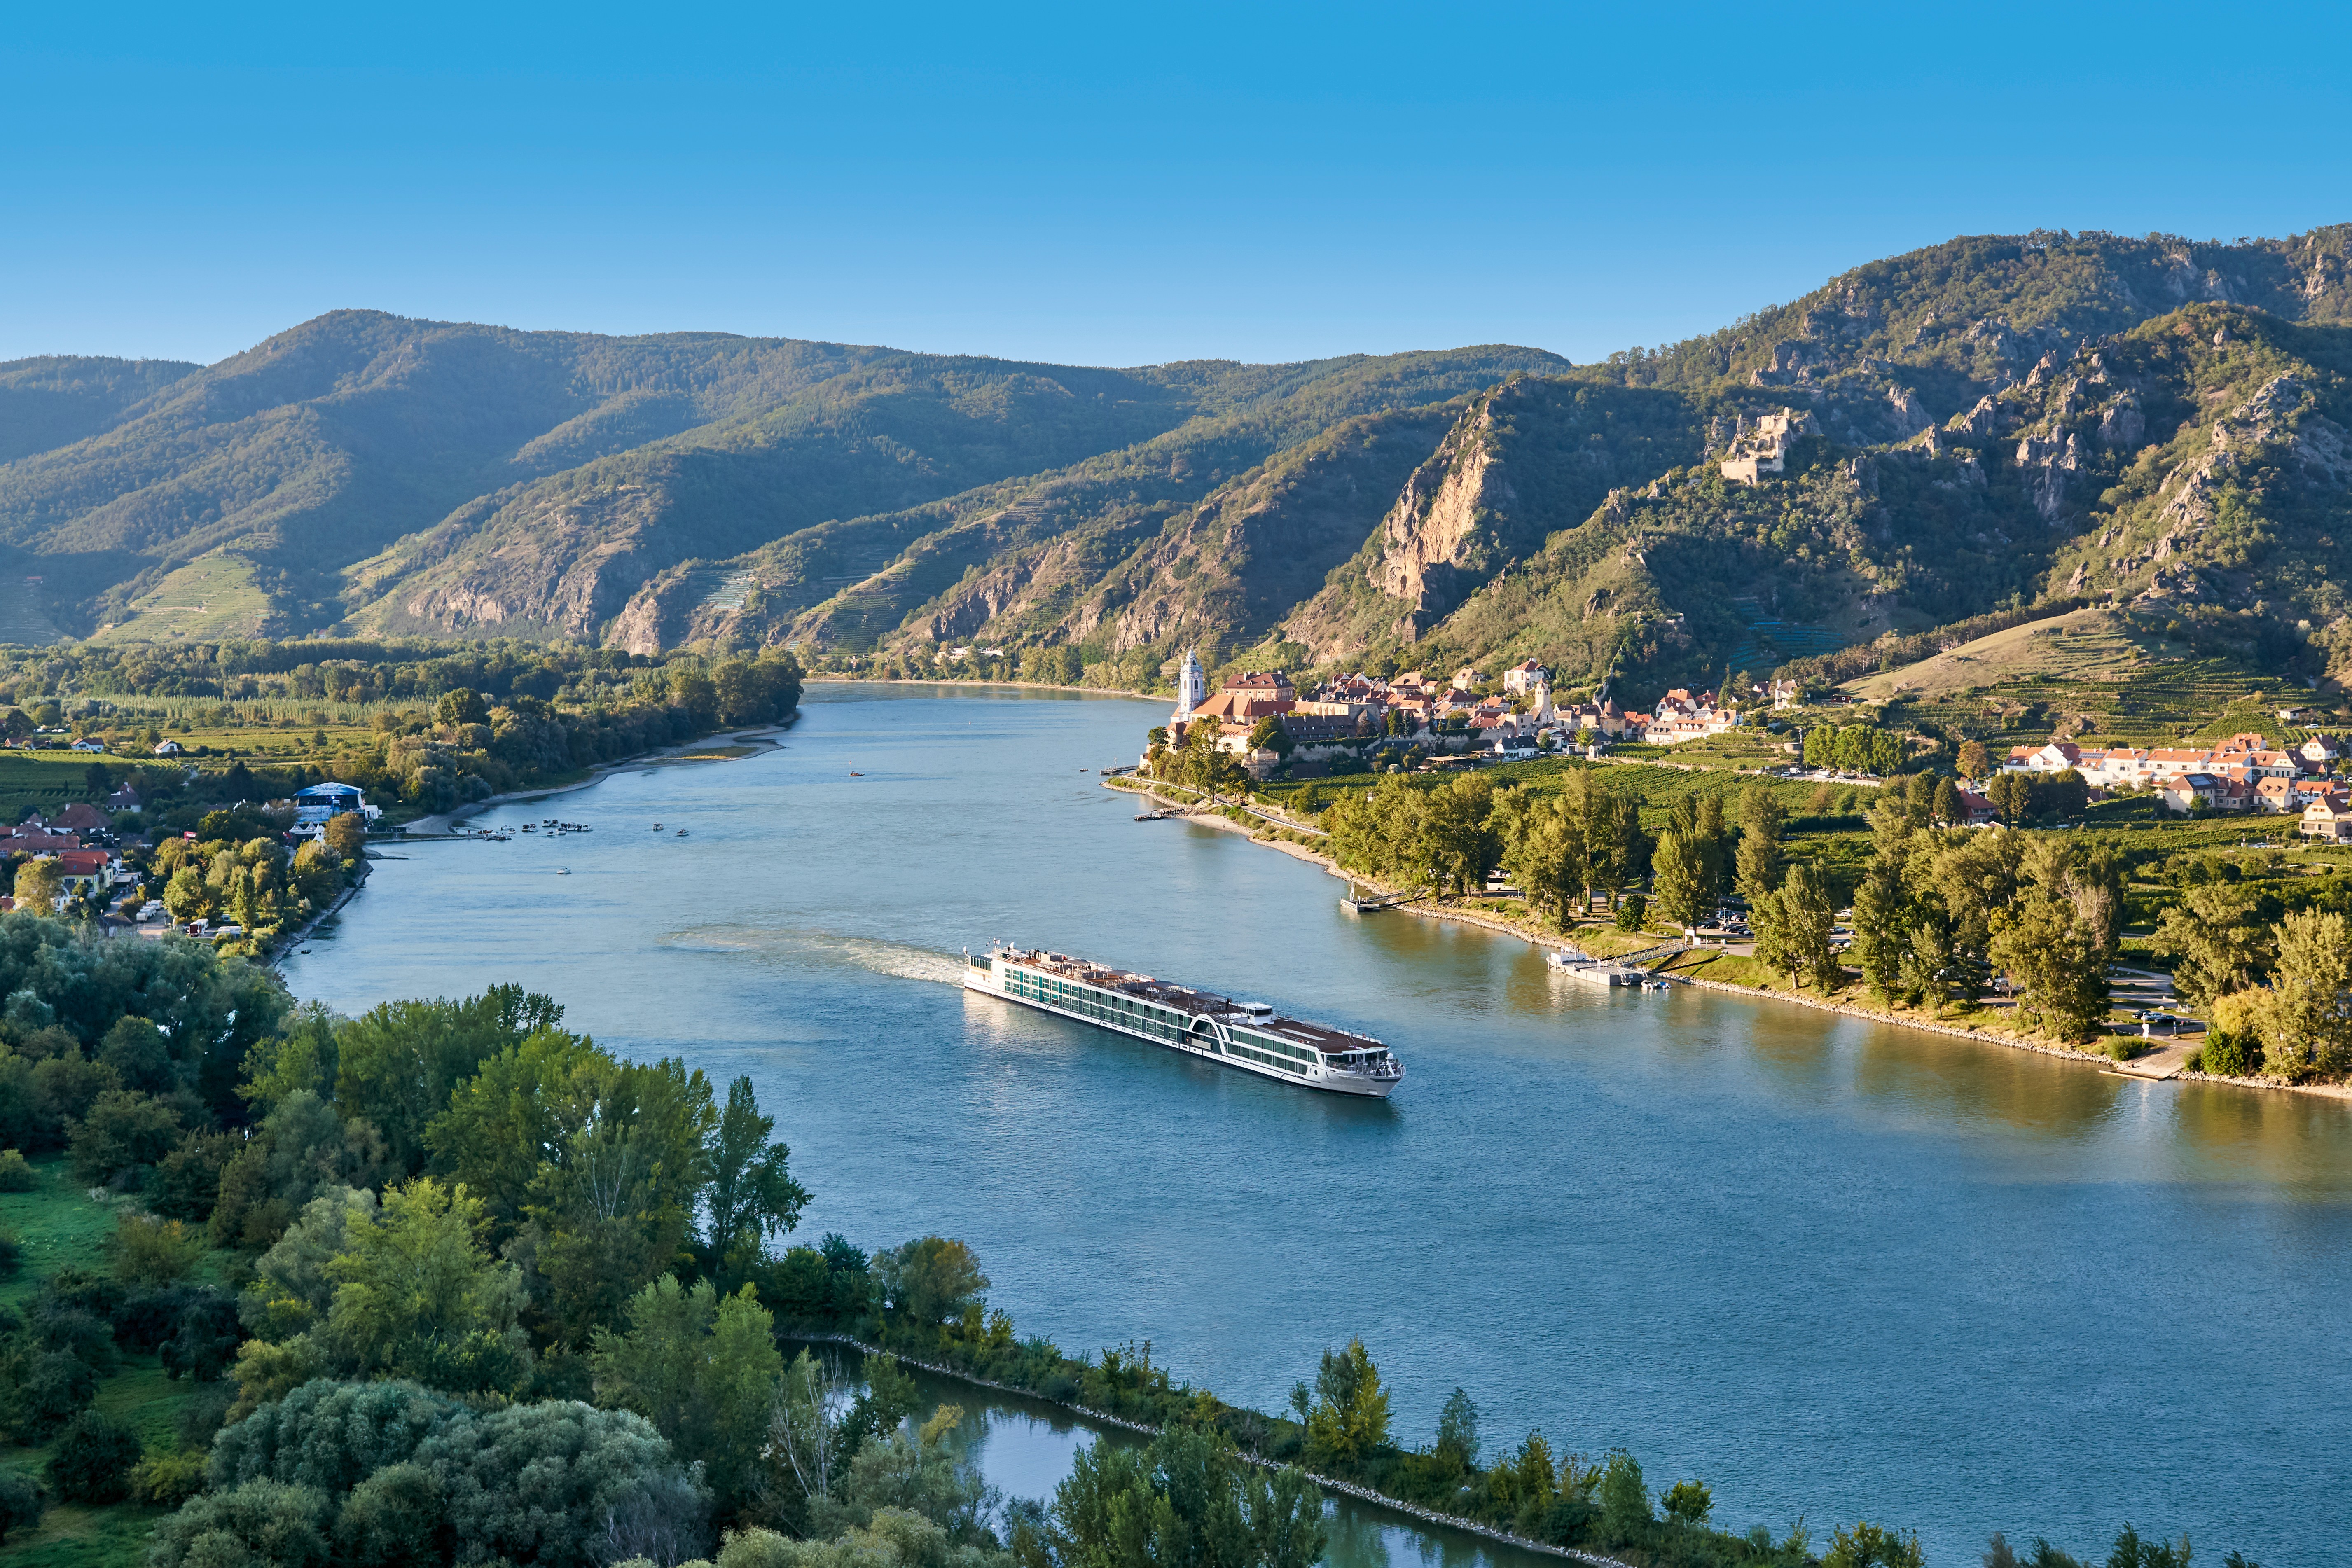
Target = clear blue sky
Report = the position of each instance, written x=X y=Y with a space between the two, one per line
x=1106 y=184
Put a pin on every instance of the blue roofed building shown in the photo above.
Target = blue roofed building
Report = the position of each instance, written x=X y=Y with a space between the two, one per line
x=315 y=806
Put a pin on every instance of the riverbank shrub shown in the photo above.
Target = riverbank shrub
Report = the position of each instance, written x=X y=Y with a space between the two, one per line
x=21 y=1502
x=93 y=1459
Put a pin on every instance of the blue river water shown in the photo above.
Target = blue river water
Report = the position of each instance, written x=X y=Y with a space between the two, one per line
x=1828 y=1267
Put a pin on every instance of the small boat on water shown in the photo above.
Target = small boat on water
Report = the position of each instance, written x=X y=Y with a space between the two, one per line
x=681 y=833
x=563 y=870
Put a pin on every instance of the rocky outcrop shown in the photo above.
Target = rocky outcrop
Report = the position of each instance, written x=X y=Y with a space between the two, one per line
x=1979 y=421
x=1911 y=415
x=2048 y=463
x=1431 y=532
x=2122 y=424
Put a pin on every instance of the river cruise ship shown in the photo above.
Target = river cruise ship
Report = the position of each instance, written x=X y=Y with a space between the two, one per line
x=1245 y=1034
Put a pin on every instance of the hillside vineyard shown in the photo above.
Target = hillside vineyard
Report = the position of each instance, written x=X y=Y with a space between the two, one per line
x=2153 y=424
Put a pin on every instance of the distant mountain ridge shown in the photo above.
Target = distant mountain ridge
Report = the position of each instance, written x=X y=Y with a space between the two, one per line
x=365 y=472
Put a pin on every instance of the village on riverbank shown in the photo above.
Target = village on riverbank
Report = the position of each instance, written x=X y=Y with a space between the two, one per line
x=2165 y=910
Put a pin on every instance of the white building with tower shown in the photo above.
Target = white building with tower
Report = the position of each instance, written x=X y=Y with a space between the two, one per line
x=1191 y=687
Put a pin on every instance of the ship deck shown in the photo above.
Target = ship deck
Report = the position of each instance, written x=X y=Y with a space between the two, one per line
x=1319 y=1037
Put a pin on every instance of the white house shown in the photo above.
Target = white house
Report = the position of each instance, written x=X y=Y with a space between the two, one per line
x=1522 y=678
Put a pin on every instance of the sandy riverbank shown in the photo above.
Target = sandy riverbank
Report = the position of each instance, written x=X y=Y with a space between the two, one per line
x=2164 y=1059
x=763 y=737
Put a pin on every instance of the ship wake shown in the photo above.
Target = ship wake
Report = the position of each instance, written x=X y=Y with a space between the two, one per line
x=822 y=949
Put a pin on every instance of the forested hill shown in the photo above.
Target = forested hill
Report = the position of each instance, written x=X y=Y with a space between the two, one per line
x=1983 y=425
x=435 y=476
x=1959 y=438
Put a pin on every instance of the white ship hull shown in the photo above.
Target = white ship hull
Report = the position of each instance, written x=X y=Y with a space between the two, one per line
x=1214 y=1038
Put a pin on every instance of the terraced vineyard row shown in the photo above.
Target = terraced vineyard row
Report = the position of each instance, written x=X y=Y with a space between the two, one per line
x=2210 y=698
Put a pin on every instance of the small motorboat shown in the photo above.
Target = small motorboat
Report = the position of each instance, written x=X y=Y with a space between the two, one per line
x=563 y=870
x=681 y=833
x=858 y=775
x=656 y=827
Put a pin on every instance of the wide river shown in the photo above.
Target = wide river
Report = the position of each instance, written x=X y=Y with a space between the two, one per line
x=1830 y=1267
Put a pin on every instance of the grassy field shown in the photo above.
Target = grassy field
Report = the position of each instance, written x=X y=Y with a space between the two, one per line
x=58 y=1224
x=62 y=1227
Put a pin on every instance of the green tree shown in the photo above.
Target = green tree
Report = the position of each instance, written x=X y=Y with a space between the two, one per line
x=2307 y=1030
x=1810 y=917
x=1932 y=966
x=1268 y=735
x=1185 y=1502
x=930 y=1281
x=418 y=1296
x=93 y=1458
x=399 y=1061
x=1761 y=822
x=703 y=1369
x=2056 y=963
x=39 y=885
x=1459 y=846
x=1457 y=1430
x=556 y=1482
x=1687 y=1502
x=1867 y=1545
x=1613 y=830
x=1624 y=1499
x=2012 y=796
x=120 y=1132
x=1680 y=884
x=2218 y=944
x=1881 y=931
x=345 y=835
x=615 y=1209
x=751 y=1197
x=462 y=706
x=329 y=1434
x=1349 y=1416
x=1544 y=849
x=185 y=896
x=517 y=1114
x=154 y=1252
x=258 y=1524
x=20 y=1499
